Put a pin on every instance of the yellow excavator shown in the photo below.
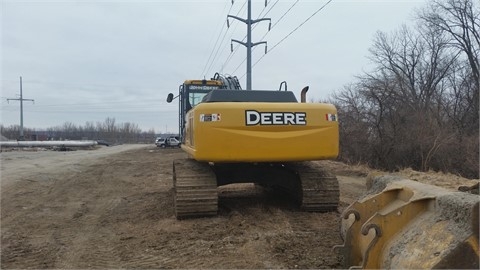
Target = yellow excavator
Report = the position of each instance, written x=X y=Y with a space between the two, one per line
x=271 y=139
x=252 y=136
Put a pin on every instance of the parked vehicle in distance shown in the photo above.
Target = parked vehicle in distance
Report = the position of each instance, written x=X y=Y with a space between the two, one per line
x=167 y=142
x=159 y=141
x=103 y=142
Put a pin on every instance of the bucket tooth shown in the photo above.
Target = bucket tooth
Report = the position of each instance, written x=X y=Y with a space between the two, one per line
x=411 y=225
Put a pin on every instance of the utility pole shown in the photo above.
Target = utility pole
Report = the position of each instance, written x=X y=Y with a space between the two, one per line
x=21 y=99
x=249 y=22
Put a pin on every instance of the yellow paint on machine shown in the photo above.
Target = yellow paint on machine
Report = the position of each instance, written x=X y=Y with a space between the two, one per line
x=203 y=82
x=261 y=132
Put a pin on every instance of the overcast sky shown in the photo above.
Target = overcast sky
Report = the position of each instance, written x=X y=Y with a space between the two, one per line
x=88 y=60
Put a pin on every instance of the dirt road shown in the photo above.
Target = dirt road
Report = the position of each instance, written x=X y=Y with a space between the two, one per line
x=112 y=208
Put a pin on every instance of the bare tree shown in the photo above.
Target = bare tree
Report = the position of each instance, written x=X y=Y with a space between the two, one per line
x=413 y=109
x=459 y=21
x=13 y=132
x=107 y=130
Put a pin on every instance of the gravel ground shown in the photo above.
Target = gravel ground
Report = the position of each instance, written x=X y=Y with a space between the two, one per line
x=113 y=208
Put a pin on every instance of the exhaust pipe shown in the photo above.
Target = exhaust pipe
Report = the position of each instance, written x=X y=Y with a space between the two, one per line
x=303 y=95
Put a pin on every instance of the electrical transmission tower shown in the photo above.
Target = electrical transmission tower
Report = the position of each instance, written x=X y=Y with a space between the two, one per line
x=21 y=99
x=249 y=22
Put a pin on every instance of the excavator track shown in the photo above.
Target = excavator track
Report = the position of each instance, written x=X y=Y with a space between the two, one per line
x=319 y=189
x=195 y=189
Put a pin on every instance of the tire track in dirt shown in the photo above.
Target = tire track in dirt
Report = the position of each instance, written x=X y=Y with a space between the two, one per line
x=30 y=252
x=117 y=212
x=69 y=204
x=83 y=234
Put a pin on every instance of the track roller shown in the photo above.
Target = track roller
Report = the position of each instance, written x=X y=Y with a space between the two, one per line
x=195 y=189
x=319 y=189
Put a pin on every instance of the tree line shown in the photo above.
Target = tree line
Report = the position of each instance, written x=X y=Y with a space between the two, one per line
x=419 y=106
x=109 y=130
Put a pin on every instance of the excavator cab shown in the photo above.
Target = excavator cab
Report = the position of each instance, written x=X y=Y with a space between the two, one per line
x=191 y=93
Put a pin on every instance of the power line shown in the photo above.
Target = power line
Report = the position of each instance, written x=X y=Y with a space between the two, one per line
x=221 y=43
x=219 y=34
x=294 y=30
x=87 y=85
x=139 y=108
x=281 y=18
x=230 y=56
x=239 y=65
x=263 y=9
x=100 y=106
x=270 y=9
x=238 y=45
x=216 y=53
x=69 y=105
